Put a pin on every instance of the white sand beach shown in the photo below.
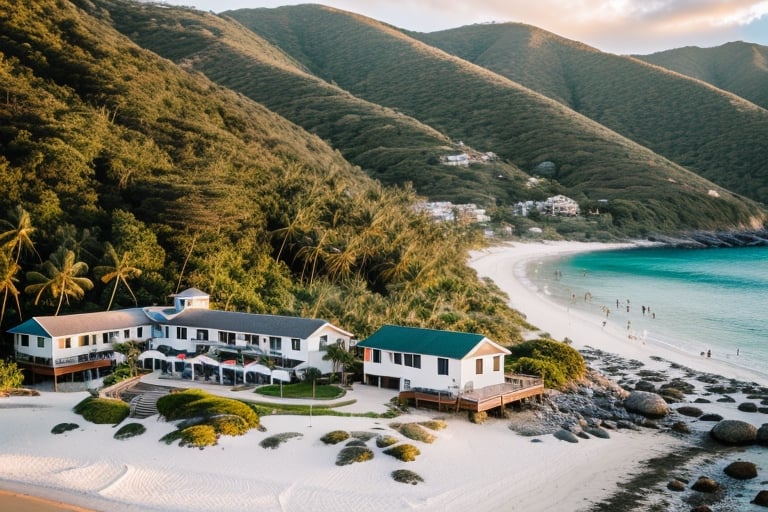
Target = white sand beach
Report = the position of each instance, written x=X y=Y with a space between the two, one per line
x=484 y=467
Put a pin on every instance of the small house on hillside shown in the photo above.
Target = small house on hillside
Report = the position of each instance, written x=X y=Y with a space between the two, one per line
x=404 y=358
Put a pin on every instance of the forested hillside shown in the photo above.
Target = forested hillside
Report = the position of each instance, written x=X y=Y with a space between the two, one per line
x=738 y=67
x=381 y=64
x=123 y=173
x=711 y=132
x=386 y=144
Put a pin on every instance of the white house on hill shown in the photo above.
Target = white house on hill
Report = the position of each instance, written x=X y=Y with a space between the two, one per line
x=405 y=358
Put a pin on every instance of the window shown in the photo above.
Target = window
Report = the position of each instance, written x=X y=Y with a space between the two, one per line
x=295 y=344
x=40 y=342
x=398 y=358
x=126 y=333
x=406 y=384
x=496 y=363
x=83 y=341
x=25 y=340
x=113 y=336
x=181 y=333
x=275 y=343
x=94 y=339
x=251 y=339
x=413 y=360
x=442 y=366
x=323 y=342
x=68 y=343
x=376 y=355
x=139 y=332
x=104 y=337
x=202 y=334
x=479 y=366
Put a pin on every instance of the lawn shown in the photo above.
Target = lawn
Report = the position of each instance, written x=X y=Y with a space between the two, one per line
x=302 y=390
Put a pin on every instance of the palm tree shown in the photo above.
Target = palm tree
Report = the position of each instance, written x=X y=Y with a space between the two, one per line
x=61 y=277
x=120 y=270
x=8 y=270
x=339 y=356
x=19 y=236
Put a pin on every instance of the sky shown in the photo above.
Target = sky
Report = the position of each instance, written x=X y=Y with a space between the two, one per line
x=615 y=26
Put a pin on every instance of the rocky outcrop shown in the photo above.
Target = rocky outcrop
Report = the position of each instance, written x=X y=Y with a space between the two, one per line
x=734 y=432
x=705 y=484
x=761 y=499
x=762 y=435
x=703 y=239
x=648 y=404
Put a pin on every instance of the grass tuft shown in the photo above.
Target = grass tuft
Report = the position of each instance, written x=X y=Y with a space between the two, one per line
x=335 y=437
x=352 y=454
x=273 y=442
x=406 y=476
x=403 y=452
x=64 y=427
x=130 y=430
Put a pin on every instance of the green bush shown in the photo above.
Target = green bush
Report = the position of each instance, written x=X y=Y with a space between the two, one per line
x=403 y=452
x=64 y=427
x=478 y=417
x=11 y=376
x=406 y=476
x=415 y=432
x=229 y=425
x=557 y=362
x=103 y=410
x=352 y=454
x=384 y=441
x=276 y=440
x=335 y=437
x=173 y=404
x=434 y=424
x=130 y=430
x=198 y=436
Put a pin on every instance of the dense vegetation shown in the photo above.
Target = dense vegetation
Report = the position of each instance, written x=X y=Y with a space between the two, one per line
x=714 y=134
x=557 y=362
x=738 y=67
x=127 y=178
x=646 y=191
x=103 y=410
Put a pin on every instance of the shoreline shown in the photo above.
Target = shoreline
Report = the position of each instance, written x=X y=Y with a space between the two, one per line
x=505 y=266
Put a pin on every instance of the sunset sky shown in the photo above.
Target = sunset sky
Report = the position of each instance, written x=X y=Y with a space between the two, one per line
x=617 y=26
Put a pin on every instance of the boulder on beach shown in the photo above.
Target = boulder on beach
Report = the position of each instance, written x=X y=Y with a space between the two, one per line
x=646 y=403
x=676 y=485
x=644 y=385
x=598 y=432
x=748 y=407
x=710 y=417
x=705 y=484
x=565 y=435
x=741 y=470
x=762 y=435
x=735 y=432
x=761 y=499
x=689 y=410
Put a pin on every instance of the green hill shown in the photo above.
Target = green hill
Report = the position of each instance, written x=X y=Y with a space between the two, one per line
x=381 y=64
x=103 y=144
x=711 y=132
x=386 y=144
x=737 y=67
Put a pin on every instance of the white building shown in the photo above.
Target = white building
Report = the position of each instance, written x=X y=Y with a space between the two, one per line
x=405 y=358
x=64 y=345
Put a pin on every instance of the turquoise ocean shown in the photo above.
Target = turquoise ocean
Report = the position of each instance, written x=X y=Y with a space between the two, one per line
x=695 y=300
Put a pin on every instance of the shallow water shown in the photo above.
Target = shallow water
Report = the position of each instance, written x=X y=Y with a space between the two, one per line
x=697 y=300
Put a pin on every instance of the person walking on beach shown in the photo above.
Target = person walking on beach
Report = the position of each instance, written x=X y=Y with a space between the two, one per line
x=709 y=353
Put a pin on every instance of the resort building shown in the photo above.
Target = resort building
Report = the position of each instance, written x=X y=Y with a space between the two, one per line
x=70 y=344
x=458 y=369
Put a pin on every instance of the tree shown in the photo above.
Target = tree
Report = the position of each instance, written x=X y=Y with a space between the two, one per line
x=60 y=277
x=8 y=270
x=11 y=376
x=19 y=236
x=339 y=356
x=120 y=271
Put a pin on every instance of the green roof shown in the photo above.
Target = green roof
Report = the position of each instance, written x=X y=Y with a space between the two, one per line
x=451 y=344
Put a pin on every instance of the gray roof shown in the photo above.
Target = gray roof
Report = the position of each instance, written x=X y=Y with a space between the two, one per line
x=192 y=292
x=67 y=325
x=288 y=326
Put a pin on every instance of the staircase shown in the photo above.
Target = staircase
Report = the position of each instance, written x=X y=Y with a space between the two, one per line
x=144 y=405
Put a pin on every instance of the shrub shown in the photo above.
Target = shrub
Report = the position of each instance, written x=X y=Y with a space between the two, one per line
x=415 y=432
x=403 y=452
x=478 y=417
x=171 y=437
x=363 y=436
x=355 y=442
x=172 y=404
x=198 y=436
x=130 y=430
x=276 y=440
x=384 y=441
x=434 y=424
x=352 y=454
x=557 y=362
x=229 y=425
x=406 y=476
x=64 y=427
x=335 y=437
x=103 y=410
x=11 y=376
x=199 y=404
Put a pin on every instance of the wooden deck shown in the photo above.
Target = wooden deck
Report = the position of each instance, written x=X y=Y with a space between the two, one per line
x=516 y=389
